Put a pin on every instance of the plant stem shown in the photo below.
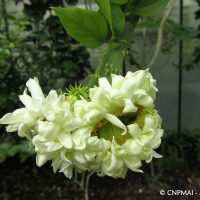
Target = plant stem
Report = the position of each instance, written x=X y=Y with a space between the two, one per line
x=83 y=183
x=87 y=185
x=180 y=75
x=83 y=180
x=160 y=33
x=144 y=33
x=113 y=57
x=152 y=169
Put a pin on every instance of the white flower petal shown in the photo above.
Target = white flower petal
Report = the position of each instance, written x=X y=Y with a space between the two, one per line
x=103 y=82
x=15 y=117
x=133 y=163
x=41 y=159
x=80 y=137
x=129 y=106
x=46 y=129
x=114 y=120
x=134 y=130
x=12 y=127
x=66 y=140
x=56 y=164
x=68 y=171
x=156 y=155
x=80 y=157
x=117 y=81
x=149 y=122
x=53 y=146
x=133 y=147
x=35 y=89
x=30 y=103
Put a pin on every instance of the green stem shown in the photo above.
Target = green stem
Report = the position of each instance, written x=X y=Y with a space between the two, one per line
x=114 y=56
x=84 y=183
x=86 y=192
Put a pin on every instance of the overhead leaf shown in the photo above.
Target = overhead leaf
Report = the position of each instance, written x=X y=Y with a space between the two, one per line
x=113 y=14
x=86 y=26
x=118 y=18
x=149 y=7
x=120 y=2
x=104 y=7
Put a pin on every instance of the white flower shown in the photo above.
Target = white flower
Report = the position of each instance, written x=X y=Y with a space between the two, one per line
x=54 y=130
x=144 y=135
x=115 y=130
x=127 y=98
x=23 y=120
x=124 y=94
x=89 y=114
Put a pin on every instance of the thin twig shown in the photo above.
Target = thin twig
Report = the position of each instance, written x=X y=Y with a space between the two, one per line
x=84 y=183
x=75 y=175
x=152 y=169
x=83 y=180
x=144 y=33
x=87 y=185
x=160 y=33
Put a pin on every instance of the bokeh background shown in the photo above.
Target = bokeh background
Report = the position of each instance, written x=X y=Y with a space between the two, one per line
x=33 y=43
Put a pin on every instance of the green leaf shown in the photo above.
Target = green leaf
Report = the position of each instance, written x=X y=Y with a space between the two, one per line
x=104 y=7
x=149 y=7
x=120 y=2
x=113 y=14
x=86 y=26
x=118 y=18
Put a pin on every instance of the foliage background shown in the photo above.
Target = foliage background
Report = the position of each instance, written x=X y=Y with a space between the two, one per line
x=34 y=44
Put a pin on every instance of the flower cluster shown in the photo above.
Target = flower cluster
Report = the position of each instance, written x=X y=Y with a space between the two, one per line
x=112 y=130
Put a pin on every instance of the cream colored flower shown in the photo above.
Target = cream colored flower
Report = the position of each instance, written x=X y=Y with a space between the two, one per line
x=24 y=120
x=125 y=94
x=113 y=130
x=127 y=151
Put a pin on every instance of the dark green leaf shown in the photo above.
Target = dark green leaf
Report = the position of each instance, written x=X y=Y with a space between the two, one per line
x=113 y=14
x=86 y=26
x=149 y=7
x=104 y=7
x=118 y=19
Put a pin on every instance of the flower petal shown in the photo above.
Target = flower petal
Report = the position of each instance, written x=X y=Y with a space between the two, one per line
x=114 y=120
x=41 y=159
x=80 y=137
x=66 y=140
x=35 y=89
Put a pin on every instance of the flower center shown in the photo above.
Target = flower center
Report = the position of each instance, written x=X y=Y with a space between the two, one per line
x=105 y=129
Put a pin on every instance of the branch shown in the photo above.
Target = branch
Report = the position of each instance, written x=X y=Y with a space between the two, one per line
x=87 y=185
x=160 y=33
